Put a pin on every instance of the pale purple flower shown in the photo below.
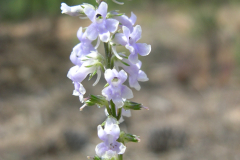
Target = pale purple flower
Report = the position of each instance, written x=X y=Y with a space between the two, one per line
x=109 y=148
x=100 y=25
x=116 y=91
x=79 y=90
x=129 y=39
x=74 y=10
x=125 y=21
x=134 y=72
x=82 y=49
x=90 y=64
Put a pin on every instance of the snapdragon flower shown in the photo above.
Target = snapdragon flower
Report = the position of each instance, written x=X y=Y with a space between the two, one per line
x=124 y=20
x=116 y=91
x=134 y=72
x=109 y=148
x=79 y=90
x=74 y=10
x=129 y=39
x=100 y=25
x=90 y=64
x=82 y=49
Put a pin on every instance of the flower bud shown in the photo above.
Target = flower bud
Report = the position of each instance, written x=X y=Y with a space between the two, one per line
x=77 y=10
x=125 y=137
x=133 y=105
x=96 y=100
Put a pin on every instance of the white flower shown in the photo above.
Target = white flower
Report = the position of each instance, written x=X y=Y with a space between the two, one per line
x=74 y=10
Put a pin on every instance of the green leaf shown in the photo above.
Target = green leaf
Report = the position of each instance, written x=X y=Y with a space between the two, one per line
x=126 y=64
x=89 y=66
x=106 y=85
x=90 y=77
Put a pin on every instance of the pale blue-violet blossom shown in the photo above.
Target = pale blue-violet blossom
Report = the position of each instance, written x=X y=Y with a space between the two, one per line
x=116 y=91
x=124 y=20
x=74 y=10
x=82 y=49
x=90 y=64
x=134 y=72
x=129 y=39
x=79 y=90
x=100 y=25
x=109 y=148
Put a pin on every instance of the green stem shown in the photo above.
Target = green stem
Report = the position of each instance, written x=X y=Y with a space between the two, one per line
x=119 y=113
x=113 y=109
x=108 y=55
x=120 y=157
x=109 y=110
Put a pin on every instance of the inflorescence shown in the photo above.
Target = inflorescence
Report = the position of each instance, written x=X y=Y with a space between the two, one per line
x=112 y=29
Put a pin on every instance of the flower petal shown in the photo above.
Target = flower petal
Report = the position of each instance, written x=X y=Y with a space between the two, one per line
x=133 y=57
x=126 y=31
x=126 y=92
x=143 y=49
x=109 y=75
x=101 y=149
x=120 y=148
x=110 y=121
x=92 y=32
x=142 y=76
x=72 y=71
x=101 y=133
x=130 y=48
x=90 y=12
x=107 y=92
x=78 y=75
x=80 y=34
x=109 y=155
x=122 y=76
x=102 y=9
x=74 y=56
x=111 y=25
x=120 y=38
x=126 y=113
x=133 y=82
x=125 y=21
x=118 y=101
x=133 y=18
x=136 y=34
x=114 y=130
x=105 y=37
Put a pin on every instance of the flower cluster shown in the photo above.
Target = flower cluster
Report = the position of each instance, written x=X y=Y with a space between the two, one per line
x=112 y=29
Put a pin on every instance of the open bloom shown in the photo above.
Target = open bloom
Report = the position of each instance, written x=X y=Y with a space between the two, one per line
x=134 y=72
x=125 y=21
x=74 y=10
x=109 y=148
x=129 y=39
x=79 y=90
x=116 y=91
x=100 y=25
x=82 y=49
x=90 y=64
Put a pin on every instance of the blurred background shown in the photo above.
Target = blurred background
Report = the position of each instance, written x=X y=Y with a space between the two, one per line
x=193 y=92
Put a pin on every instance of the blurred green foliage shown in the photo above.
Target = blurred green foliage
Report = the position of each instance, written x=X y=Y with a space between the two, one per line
x=22 y=9
x=237 y=51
